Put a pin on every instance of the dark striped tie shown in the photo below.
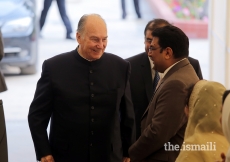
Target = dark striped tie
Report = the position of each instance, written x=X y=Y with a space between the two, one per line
x=156 y=80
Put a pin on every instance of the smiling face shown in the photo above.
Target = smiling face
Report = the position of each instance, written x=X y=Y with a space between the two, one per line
x=156 y=53
x=148 y=33
x=162 y=58
x=93 y=39
x=148 y=40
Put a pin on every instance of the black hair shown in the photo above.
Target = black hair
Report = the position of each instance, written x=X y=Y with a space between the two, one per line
x=173 y=37
x=155 y=23
x=226 y=93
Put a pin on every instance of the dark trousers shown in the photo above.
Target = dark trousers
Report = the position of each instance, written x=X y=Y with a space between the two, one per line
x=62 y=11
x=136 y=5
x=3 y=140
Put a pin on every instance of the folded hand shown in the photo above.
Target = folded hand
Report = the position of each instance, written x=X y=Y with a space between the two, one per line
x=126 y=159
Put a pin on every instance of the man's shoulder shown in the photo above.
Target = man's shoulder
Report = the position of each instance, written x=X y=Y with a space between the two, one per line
x=61 y=57
x=137 y=57
x=192 y=60
x=183 y=71
x=184 y=75
x=113 y=58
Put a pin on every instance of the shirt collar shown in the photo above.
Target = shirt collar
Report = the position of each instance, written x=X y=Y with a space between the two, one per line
x=166 y=71
x=83 y=56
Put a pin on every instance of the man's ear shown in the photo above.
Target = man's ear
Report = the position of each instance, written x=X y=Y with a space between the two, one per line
x=186 y=110
x=78 y=37
x=168 y=53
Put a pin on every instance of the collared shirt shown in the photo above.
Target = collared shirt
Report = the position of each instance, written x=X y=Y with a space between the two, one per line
x=83 y=56
x=166 y=71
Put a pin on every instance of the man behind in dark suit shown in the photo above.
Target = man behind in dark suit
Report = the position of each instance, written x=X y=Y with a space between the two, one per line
x=86 y=94
x=143 y=75
x=164 y=120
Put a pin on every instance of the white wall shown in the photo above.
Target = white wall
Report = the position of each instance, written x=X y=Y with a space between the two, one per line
x=219 y=41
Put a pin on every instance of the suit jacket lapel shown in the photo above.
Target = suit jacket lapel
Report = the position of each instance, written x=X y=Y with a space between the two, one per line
x=170 y=72
x=146 y=70
x=152 y=99
x=175 y=68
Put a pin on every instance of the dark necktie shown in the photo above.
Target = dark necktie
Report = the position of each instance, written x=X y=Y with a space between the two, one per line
x=156 y=80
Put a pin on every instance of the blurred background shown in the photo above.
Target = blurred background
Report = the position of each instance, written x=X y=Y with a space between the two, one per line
x=205 y=22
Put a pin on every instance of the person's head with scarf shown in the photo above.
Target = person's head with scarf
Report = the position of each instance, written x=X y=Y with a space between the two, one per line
x=204 y=126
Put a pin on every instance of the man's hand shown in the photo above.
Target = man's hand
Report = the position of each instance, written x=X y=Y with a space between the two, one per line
x=126 y=159
x=48 y=158
x=223 y=157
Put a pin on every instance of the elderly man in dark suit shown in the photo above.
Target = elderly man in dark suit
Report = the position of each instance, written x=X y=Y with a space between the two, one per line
x=86 y=94
x=164 y=120
x=3 y=139
x=142 y=78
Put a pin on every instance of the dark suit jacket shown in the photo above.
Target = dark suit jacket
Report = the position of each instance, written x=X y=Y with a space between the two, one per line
x=141 y=84
x=164 y=120
x=3 y=138
x=91 y=108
